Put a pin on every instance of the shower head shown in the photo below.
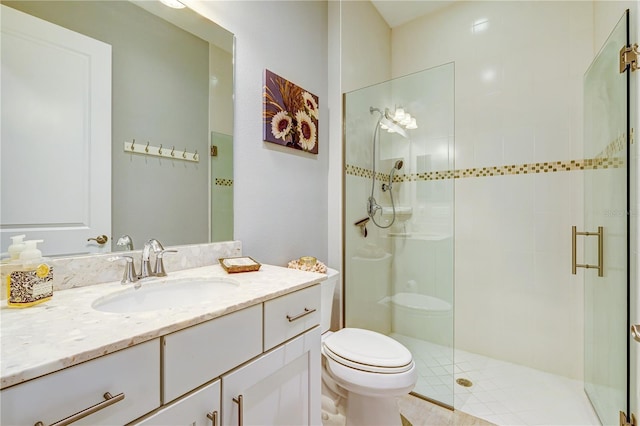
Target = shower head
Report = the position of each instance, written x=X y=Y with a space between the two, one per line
x=396 y=166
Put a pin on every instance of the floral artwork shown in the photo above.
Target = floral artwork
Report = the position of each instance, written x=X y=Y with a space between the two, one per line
x=290 y=114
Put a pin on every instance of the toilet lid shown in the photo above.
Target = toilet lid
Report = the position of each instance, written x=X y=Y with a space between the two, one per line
x=367 y=350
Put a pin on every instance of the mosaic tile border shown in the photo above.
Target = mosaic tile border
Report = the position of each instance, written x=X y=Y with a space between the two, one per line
x=604 y=160
x=223 y=182
x=615 y=146
x=512 y=169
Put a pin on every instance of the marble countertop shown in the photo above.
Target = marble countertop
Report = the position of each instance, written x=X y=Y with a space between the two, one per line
x=67 y=330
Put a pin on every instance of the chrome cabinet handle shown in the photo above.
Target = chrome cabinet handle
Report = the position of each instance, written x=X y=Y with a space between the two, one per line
x=600 y=265
x=108 y=400
x=635 y=332
x=300 y=315
x=213 y=416
x=238 y=401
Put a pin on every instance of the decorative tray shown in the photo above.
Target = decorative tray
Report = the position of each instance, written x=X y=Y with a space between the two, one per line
x=239 y=264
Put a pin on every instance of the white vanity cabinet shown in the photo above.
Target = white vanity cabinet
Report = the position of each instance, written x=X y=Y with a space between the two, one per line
x=198 y=354
x=281 y=387
x=265 y=357
x=130 y=376
x=199 y=408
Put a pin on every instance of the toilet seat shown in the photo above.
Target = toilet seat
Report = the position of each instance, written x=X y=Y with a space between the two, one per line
x=367 y=351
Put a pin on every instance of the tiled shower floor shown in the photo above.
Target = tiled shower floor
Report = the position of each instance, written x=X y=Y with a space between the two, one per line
x=502 y=393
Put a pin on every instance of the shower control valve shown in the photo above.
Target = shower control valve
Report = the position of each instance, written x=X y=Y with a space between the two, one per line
x=372 y=206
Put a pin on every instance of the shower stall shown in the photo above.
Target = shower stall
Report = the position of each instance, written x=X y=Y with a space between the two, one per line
x=542 y=147
x=399 y=140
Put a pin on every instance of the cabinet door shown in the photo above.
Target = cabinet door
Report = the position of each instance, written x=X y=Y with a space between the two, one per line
x=282 y=387
x=200 y=408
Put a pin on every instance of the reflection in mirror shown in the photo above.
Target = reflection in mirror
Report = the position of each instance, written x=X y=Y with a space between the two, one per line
x=171 y=85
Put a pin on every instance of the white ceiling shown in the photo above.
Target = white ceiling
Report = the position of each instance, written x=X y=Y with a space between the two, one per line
x=398 y=12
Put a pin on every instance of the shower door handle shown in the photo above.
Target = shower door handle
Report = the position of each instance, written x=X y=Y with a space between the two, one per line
x=600 y=265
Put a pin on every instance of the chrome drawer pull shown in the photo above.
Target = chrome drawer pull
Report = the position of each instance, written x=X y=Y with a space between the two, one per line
x=213 y=416
x=300 y=315
x=238 y=401
x=108 y=400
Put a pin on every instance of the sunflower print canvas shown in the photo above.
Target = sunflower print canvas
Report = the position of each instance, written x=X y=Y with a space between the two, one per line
x=290 y=114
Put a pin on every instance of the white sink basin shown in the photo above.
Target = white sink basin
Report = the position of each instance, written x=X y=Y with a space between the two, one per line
x=163 y=294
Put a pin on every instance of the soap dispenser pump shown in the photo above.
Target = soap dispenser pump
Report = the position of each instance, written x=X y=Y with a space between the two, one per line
x=16 y=246
x=31 y=252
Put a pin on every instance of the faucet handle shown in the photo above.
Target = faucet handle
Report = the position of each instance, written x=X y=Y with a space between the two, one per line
x=158 y=269
x=130 y=275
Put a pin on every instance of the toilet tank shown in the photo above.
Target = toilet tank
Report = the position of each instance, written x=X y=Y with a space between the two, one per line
x=327 y=288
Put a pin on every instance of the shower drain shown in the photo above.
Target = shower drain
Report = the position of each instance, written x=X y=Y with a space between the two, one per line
x=464 y=382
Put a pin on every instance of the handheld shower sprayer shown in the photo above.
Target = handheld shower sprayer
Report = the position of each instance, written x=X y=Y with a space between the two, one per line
x=397 y=166
x=372 y=204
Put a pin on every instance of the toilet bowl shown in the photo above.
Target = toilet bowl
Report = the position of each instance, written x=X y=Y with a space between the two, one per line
x=364 y=370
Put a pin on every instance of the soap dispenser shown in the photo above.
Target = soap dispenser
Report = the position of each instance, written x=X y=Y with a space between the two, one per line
x=16 y=246
x=33 y=282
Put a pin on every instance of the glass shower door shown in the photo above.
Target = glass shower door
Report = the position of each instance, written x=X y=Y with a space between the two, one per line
x=606 y=135
x=399 y=258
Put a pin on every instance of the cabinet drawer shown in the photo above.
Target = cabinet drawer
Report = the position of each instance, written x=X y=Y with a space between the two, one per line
x=134 y=372
x=290 y=315
x=198 y=354
x=191 y=410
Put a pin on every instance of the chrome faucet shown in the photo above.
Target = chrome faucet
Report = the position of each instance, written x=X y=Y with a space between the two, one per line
x=145 y=268
x=130 y=275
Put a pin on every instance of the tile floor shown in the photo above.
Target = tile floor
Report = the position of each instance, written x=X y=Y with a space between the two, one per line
x=502 y=393
x=415 y=412
x=423 y=413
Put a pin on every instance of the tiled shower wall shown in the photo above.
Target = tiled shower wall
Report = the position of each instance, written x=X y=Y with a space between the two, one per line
x=519 y=68
x=518 y=107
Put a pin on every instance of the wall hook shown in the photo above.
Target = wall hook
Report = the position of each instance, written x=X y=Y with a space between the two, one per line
x=161 y=151
x=133 y=145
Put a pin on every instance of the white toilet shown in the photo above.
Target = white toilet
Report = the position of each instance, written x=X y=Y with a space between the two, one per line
x=366 y=370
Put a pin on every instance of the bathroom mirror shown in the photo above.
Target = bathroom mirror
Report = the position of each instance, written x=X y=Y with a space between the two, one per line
x=171 y=88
